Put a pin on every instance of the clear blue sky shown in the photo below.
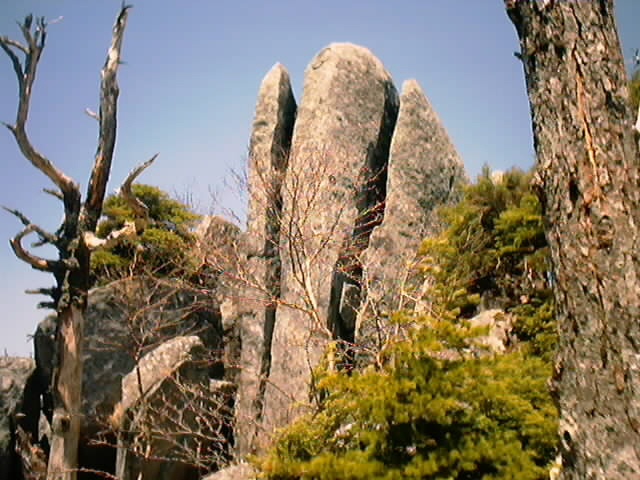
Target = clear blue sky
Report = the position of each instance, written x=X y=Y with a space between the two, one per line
x=189 y=86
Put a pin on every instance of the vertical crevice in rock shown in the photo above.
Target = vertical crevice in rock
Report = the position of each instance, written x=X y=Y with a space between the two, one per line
x=259 y=278
x=346 y=285
x=333 y=185
x=423 y=173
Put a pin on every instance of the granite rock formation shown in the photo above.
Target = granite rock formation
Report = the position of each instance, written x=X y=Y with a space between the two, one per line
x=332 y=193
x=254 y=305
x=333 y=222
x=424 y=173
x=125 y=320
x=165 y=412
x=342 y=190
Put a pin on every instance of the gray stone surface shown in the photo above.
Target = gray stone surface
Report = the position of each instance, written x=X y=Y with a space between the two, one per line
x=126 y=319
x=218 y=250
x=424 y=171
x=499 y=325
x=241 y=471
x=155 y=409
x=254 y=307
x=19 y=404
x=158 y=365
x=332 y=196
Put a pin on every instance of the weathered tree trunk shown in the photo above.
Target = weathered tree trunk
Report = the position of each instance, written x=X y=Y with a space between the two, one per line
x=63 y=457
x=588 y=174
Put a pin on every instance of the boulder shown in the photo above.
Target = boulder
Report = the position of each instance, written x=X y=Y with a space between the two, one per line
x=499 y=326
x=242 y=471
x=253 y=307
x=424 y=173
x=19 y=411
x=125 y=320
x=332 y=196
x=216 y=243
x=171 y=422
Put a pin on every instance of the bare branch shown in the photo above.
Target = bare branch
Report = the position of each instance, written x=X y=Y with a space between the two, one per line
x=54 y=193
x=26 y=75
x=92 y=114
x=46 y=305
x=139 y=209
x=36 y=262
x=109 y=92
x=42 y=291
x=45 y=237
x=15 y=44
x=5 y=43
x=92 y=241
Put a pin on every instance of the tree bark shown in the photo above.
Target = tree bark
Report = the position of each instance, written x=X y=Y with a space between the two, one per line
x=587 y=178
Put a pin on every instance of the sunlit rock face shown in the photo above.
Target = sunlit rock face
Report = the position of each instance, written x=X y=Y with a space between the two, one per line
x=251 y=310
x=332 y=194
x=424 y=173
x=341 y=192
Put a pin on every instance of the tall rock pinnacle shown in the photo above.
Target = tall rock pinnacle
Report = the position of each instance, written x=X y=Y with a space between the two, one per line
x=424 y=170
x=332 y=197
x=255 y=305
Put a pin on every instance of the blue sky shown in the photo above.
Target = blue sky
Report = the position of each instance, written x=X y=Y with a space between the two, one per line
x=190 y=81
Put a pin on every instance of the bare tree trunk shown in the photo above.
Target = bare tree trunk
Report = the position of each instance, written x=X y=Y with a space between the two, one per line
x=63 y=457
x=588 y=180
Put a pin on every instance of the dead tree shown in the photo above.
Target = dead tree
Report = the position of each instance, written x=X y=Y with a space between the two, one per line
x=587 y=175
x=76 y=235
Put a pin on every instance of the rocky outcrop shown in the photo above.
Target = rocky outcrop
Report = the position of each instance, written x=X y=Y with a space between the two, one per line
x=167 y=417
x=341 y=193
x=218 y=250
x=498 y=325
x=124 y=321
x=254 y=306
x=19 y=409
x=424 y=173
x=333 y=194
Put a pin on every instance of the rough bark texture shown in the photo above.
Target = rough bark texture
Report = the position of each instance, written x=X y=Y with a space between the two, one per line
x=256 y=307
x=587 y=174
x=332 y=197
x=424 y=171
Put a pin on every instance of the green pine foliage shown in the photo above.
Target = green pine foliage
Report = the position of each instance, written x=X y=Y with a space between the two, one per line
x=634 y=90
x=433 y=407
x=162 y=248
x=494 y=250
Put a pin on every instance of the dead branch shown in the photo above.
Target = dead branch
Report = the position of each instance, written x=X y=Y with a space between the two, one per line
x=36 y=262
x=139 y=209
x=53 y=193
x=91 y=114
x=131 y=228
x=109 y=92
x=26 y=74
x=51 y=291
x=45 y=237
